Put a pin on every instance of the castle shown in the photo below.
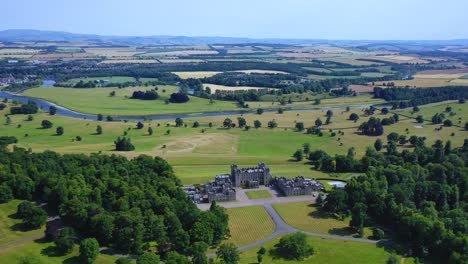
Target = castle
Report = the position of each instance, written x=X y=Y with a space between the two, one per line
x=298 y=186
x=251 y=177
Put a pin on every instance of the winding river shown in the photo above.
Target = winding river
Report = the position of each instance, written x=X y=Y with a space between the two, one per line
x=44 y=105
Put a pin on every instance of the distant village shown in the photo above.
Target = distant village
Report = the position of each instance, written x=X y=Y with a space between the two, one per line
x=223 y=187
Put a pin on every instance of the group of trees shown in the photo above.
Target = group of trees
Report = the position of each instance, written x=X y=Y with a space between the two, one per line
x=33 y=217
x=145 y=95
x=123 y=204
x=123 y=144
x=179 y=98
x=421 y=195
x=24 y=109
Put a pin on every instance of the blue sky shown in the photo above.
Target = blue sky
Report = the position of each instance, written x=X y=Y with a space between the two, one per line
x=315 y=19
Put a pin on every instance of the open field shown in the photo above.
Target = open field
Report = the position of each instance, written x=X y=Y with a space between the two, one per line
x=263 y=71
x=258 y=194
x=130 y=60
x=249 y=224
x=196 y=74
x=39 y=250
x=112 y=79
x=197 y=157
x=44 y=252
x=327 y=251
x=305 y=216
x=10 y=227
x=97 y=100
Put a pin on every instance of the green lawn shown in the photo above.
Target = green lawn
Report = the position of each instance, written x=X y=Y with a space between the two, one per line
x=258 y=194
x=327 y=251
x=10 y=227
x=249 y=224
x=43 y=253
x=305 y=216
x=112 y=79
x=97 y=100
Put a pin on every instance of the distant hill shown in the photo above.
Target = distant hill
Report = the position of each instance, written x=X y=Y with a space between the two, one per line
x=14 y=35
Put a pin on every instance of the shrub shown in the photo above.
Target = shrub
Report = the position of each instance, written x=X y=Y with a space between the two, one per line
x=294 y=247
x=46 y=124
x=179 y=98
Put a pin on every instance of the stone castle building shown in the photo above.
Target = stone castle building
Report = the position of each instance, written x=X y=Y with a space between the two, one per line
x=251 y=177
x=298 y=186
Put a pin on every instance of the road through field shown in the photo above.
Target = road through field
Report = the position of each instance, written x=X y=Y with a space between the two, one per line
x=282 y=228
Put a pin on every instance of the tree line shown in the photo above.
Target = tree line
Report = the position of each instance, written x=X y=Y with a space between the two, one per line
x=421 y=195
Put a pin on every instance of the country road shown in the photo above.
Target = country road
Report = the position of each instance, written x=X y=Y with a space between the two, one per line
x=282 y=228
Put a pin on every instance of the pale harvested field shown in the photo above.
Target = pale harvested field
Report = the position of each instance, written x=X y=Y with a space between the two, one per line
x=215 y=87
x=451 y=71
x=399 y=59
x=196 y=74
x=18 y=51
x=361 y=88
x=181 y=53
x=263 y=71
x=439 y=76
x=202 y=144
x=113 y=52
x=181 y=61
x=351 y=61
x=129 y=61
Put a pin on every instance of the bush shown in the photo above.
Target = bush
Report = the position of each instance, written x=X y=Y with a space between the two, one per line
x=65 y=240
x=46 y=124
x=179 y=98
x=294 y=247
x=378 y=233
x=123 y=144
x=59 y=131
x=89 y=250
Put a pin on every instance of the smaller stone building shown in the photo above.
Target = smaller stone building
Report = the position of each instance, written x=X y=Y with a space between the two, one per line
x=219 y=190
x=297 y=186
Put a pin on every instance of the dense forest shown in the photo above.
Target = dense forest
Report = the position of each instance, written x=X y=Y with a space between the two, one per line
x=130 y=205
x=420 y=195
x=414 y=97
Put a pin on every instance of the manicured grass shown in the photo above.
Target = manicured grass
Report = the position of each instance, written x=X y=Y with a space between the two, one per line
x=249 y=224
x=326 y=251
x=43 y=252
x=305 y=216
x=258 y=194
x=10 y=227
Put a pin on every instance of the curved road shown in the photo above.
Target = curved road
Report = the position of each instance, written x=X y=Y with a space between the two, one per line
x=282 y=228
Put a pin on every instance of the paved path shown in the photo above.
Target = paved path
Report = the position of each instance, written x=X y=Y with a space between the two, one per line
x=22 y=240
x=282 y=228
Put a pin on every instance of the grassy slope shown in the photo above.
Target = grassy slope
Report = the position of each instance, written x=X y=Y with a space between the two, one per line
x=197 y=156
x=42 y=252
x=8 y=224
x=327 y=251
x=37 y=249
x=97 y=100
x=305 y=216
